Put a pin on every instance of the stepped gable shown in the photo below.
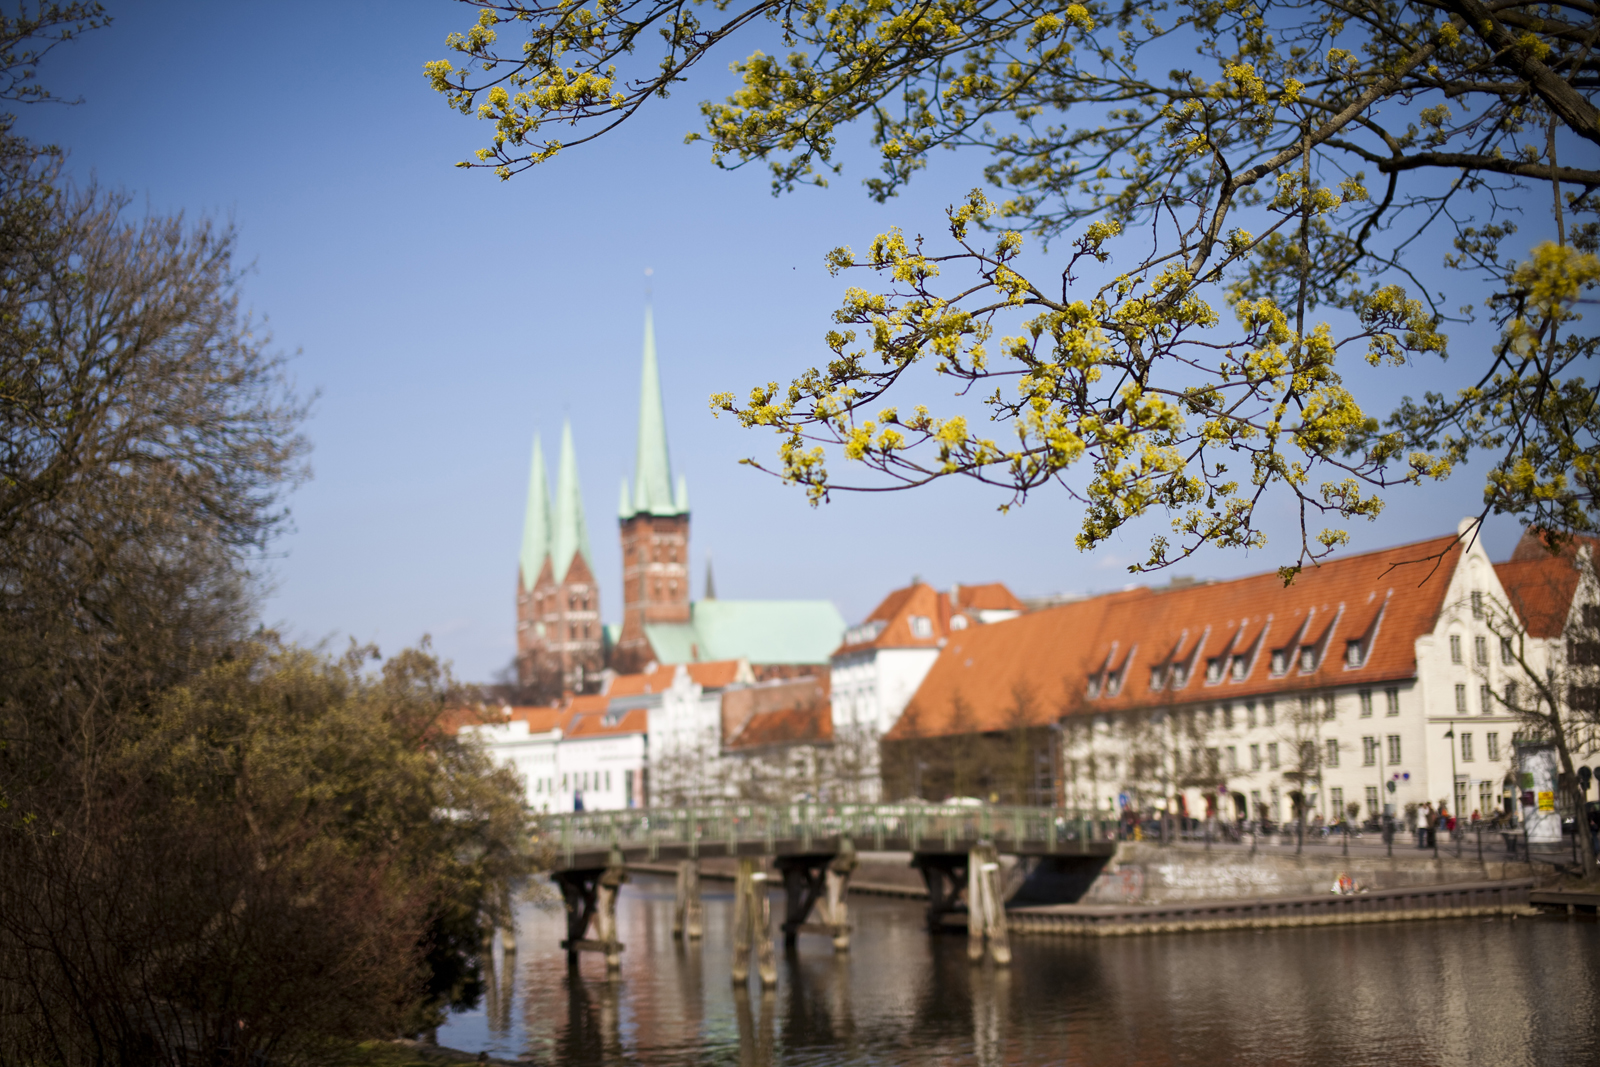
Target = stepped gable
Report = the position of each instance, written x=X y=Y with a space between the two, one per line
x=1042 y=667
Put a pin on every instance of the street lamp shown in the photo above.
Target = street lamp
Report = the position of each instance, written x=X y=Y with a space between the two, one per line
x=1450 y=735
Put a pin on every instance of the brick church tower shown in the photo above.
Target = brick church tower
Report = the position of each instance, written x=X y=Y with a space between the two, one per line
x=560 y=643
x=655 y=528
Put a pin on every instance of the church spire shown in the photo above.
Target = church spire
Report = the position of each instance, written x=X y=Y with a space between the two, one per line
x=536 y=520
x=652 y=478
x=571 y=536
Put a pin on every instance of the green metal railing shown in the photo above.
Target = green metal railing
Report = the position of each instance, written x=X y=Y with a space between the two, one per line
x=722 y=828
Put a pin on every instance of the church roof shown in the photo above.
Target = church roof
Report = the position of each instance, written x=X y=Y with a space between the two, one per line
x=571 y=535
x=652 y=476
x=760 y=631
x=536 y=519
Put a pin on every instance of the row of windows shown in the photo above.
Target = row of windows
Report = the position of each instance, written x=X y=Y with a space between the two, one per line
x=582 y=781
x=1480 y=650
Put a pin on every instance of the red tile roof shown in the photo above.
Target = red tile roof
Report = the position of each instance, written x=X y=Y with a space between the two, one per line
x=893 y=618
x=602 y=724
x=1540 y=590
x=1535 y=544
x=991 y=596
x=1037 y=668
x=716 y=674
x=811 y=724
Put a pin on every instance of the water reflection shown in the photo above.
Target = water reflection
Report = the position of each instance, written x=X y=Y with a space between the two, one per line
x=1416 y=995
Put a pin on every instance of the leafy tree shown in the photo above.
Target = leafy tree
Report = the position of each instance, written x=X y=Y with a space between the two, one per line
x=1231 y=200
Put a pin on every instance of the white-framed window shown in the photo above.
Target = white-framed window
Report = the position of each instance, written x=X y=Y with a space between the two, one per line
x=1241 y=667
x=1485 y=798
x=1352 y=653
x=1394 y=750
x=1366 y=703
x=1466 y=748
x=1455 y=648
x=921 y=627
x=1280 y=661
x=1369 y=751
x=1331 y=755
x=1461 y=699
x=1480 y=651
x=1491 y=745
x=1308 y=658
x=1485 y=700
x=1372 y=801
x=1391 y=701
x=1336 y=796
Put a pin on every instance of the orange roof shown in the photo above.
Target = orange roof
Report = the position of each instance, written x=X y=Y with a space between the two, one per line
x=807 y=724
x=539 y=719
x=991 y=596
x=602 y=724
x=1540 y=590
x=890 y=624
x=1037 y=668
x=716 y=674
x=1535 y=544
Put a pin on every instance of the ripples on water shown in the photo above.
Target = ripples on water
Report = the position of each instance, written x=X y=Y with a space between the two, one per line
x=1449 y=992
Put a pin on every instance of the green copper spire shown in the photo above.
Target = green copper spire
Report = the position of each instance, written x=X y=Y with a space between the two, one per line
x=625 y=506
x=571 y=537
x=536 y=522
x=652 y=477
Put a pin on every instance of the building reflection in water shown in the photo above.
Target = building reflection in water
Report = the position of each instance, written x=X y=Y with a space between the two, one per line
x=1408 y=995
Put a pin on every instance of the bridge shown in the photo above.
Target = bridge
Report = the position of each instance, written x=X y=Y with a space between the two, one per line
x=813 y=845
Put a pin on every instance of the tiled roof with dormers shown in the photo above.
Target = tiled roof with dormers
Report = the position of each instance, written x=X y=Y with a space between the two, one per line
x=990 y=596
x=894 y=623
x=1540 y=590
x=718 y=674
x=1190 y=644
x=605 y=723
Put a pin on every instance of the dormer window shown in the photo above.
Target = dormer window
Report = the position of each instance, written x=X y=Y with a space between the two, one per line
x=1113 y=684
x=1352 y=654
x=921 y=627
x=958 y=622
x=1308 y=658
x=1214 y=670
x=1094 y=686
x=611 y=718
x=1156 y=677
x=1280 y=661
x=1180 y=674
x=1241 y=667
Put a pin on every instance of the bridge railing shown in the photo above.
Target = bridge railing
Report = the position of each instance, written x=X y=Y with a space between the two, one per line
x=720 y=829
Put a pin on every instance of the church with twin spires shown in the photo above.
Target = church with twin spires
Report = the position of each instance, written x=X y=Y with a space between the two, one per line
x=562 y=645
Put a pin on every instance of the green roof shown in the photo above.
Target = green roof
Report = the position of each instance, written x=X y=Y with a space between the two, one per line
x=652 y=473
x=761 y=631
x=535 y=521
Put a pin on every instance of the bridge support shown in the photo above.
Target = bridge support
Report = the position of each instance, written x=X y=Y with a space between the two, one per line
x=687 y=915
x=752 y=925
x=590 y=896
x=818 y=882
x=986 y=909
x=945 y=875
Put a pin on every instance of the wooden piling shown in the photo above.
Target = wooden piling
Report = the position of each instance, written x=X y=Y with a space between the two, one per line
x=994 y=913
x=975 y=860
x=694 y=916
x=761 y=919
x=741 y=921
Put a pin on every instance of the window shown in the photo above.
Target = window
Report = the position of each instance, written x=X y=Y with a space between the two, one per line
x=1455 y=648
x=1372 y=801
x=1094 y=685
x=1485 y=797
x=1308 y=658
x=1391 y=701
x=1491 y=745
x=1308 y=755
x=1213 y=762
x=1366 y=703
x=1505 y=650
x=1256 y=807
x=1511 y=696
x=1194 y=761
x=1461 y=797
x=1241 y=667
x=1280 y=661
x=1477 y=604
x=1305 y=709
x=1180 y=674
x=1461 y=700
x=1480 y=651
x=1214 y=669
x=1227 y=716
x=1272 y=755
x=1485 y=700
x=1336 y=796
x=1394 y=750
x=1327 y=706
x=1233 y=758
x=1369 y=751
x=1331 y=758
x=1352 y=653
x=1250 y=714
x=1155 y=677
x=1268 y=713
x=608 y=781
x=921 y=626
x=1466 y=748
x=1255 y=757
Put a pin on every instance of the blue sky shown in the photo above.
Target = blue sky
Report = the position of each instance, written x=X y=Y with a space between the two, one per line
x=443 y=316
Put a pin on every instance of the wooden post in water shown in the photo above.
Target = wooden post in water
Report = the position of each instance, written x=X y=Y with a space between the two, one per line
x=975 y=860
x=686 y=911
x=606 y=914
x=741 y=921
x=761 y=919
x=994 y=911
x=752 y=925
x=838 y=888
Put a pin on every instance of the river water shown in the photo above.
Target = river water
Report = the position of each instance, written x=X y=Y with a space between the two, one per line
x=1465 y=991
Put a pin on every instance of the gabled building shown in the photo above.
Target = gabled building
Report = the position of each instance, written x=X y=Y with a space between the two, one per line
x=560 y=641
x=1351 y=686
